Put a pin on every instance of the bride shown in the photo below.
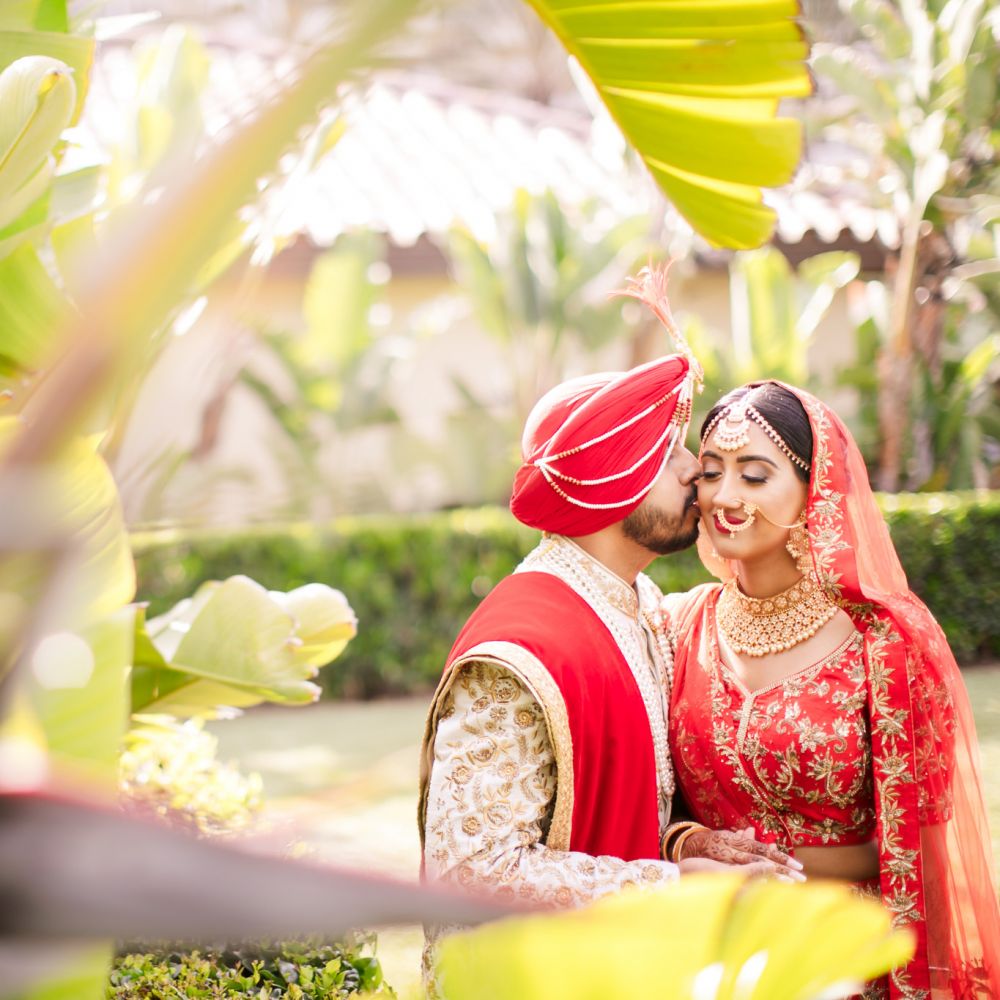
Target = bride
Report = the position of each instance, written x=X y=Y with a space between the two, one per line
x=815 y=698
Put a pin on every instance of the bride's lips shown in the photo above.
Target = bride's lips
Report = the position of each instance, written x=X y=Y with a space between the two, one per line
x=726 y=527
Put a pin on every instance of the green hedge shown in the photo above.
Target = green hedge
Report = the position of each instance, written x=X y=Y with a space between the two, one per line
x=414 y=580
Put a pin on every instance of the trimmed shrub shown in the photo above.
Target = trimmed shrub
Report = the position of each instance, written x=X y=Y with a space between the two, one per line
x=949 y=544
x=413 y=580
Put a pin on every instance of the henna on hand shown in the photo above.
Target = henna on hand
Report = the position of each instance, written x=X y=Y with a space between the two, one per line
x=738 y=847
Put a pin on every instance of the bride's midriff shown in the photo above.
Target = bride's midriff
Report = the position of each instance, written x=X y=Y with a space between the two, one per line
x=852 y=862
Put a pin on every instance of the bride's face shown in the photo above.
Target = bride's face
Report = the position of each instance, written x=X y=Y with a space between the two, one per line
x=758 y=473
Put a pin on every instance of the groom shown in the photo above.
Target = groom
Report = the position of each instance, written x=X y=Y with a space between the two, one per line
x=545 y=771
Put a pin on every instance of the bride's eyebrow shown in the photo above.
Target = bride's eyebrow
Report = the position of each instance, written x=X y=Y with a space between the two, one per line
x=741 y=459
x=754 y=458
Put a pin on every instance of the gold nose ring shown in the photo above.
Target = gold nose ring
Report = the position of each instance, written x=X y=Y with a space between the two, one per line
x=750 y=509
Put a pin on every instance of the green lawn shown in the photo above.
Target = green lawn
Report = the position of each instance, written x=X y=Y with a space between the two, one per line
x=984 y=693
x=344 y=776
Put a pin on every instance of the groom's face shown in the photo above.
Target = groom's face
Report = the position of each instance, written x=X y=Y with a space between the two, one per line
x=667 y=519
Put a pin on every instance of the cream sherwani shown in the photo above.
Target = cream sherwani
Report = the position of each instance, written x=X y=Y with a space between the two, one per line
x=497 y=751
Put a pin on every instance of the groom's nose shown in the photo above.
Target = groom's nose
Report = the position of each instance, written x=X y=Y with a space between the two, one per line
x=688 y=467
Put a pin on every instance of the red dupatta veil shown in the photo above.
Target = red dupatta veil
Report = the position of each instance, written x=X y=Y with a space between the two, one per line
x=937 y=872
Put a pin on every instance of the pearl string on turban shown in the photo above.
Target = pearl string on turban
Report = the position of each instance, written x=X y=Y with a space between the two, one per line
x=593 y=447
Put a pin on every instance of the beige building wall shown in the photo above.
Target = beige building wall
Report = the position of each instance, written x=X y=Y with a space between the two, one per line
x=204 y=448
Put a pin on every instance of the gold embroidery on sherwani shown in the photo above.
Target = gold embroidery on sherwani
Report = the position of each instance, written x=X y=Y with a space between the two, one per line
x=539 y=684
x=496 y=781
x=489 y=801
x=487 y=807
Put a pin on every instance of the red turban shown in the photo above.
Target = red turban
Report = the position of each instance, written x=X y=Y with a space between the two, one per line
x=594 y=447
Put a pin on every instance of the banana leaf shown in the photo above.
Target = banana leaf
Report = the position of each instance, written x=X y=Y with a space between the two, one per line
x=695 y=88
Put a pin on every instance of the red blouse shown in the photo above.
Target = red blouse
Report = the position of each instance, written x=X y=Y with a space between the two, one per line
x=792 y=759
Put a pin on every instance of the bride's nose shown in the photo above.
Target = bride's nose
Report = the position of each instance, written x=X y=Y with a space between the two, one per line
x=726 y=497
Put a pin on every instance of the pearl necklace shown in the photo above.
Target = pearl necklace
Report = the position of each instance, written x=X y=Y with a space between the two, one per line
x=757 y=626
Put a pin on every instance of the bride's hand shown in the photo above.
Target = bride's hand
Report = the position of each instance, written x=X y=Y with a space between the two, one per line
x=737 y=849
x=756 y=869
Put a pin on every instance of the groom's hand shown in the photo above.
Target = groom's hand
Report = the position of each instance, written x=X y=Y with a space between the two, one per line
x=738 y=848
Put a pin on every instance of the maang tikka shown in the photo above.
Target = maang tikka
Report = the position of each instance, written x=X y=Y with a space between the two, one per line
x=731 y=428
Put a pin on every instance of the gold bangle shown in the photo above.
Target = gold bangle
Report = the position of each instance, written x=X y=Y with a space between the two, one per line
x=670 y=834
x=677 y=848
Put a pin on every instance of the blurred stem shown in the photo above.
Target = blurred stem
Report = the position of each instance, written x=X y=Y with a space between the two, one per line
x=166 y=237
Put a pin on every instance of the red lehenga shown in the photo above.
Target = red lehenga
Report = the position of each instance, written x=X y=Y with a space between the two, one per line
x=879 y=737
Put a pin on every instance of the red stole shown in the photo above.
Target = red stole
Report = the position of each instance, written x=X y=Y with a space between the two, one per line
x=614 y=769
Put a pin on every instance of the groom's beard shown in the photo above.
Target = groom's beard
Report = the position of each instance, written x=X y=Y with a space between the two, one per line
x=659 y=531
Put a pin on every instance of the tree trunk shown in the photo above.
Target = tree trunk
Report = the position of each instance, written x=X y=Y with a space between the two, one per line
x=895 y=363
x=928 y=324
x=893 y=406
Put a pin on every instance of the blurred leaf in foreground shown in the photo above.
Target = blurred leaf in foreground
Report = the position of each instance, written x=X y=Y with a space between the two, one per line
x=709 y=937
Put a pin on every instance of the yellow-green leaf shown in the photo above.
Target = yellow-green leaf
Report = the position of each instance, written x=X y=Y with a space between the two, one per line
x=37 y=95
x=234 y=633
x=694 y=86
x=324 y=621
x=710 y=935
x=78 y=684
x=29 y=309
x=18 y=202
x=66 y=508
x=75 y=51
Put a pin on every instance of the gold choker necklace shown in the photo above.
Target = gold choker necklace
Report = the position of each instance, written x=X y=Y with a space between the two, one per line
x=758 y=626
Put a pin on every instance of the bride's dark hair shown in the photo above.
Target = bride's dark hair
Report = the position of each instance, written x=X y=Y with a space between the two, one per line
x=782 y=410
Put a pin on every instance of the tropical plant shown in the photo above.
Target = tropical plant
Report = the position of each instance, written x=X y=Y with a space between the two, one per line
x=775 y=313
x=957 y=414
x=331 y=380
x=540 y=289
x=925 y=114
x=955 y=401
x=708 y=936
x=695 y=90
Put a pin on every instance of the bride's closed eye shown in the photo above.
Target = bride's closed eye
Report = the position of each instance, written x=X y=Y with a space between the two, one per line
x=709 y=476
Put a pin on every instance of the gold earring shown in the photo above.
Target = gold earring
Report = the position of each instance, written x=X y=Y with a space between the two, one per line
x=798 y=545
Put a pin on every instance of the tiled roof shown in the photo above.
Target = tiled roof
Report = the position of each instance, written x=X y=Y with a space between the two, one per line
x=418 y=160
x=420 y=155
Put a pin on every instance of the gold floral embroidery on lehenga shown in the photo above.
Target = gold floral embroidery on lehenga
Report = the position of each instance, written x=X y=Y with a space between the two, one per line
x=799 y=749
